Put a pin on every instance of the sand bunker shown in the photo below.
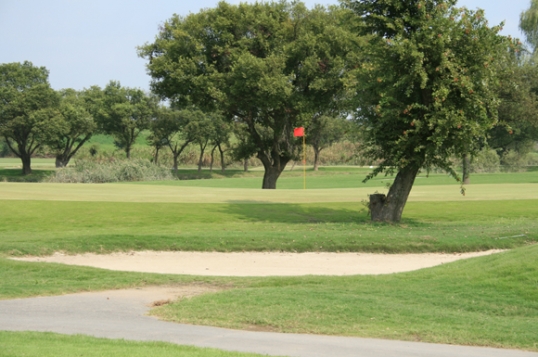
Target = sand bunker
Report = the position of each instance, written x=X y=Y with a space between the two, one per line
x=258 y=264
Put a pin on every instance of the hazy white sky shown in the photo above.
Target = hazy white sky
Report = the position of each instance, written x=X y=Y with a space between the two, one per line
x=90 y=42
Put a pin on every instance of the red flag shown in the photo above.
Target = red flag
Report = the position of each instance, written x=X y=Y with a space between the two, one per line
x=298 y=131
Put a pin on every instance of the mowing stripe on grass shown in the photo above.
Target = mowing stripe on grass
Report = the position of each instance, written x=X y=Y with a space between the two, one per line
x=157 y=193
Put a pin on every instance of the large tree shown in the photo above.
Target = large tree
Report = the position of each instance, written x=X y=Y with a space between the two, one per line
x=267 y=65
x=76 y=126
x=125 y=113
x=427 y=90
x=28 y=109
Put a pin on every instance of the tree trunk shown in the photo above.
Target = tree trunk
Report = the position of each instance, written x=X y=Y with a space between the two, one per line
x=59 y=163
x=222 y=163
x=128 y=152
x=466 y=169
x=175 y=162
x=26 y=164
x=270 y=177
x=200 y=161
x=156 y=156
x=316 y=159
x=272 y=170
x=390 y=209
x=212 y=158
x=245 y=165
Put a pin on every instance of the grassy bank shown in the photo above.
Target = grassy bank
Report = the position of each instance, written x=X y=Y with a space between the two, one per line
x=487 y=301
x=43 y=227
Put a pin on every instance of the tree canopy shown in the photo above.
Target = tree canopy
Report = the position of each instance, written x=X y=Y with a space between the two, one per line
x=124 y=113
x=28 y=109
x=427 y=89
x=270 y=66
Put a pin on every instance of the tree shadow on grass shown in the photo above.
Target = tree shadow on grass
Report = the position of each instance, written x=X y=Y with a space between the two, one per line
x=348 y=212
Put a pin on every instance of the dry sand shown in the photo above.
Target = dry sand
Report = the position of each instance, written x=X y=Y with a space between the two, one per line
x=258 y=264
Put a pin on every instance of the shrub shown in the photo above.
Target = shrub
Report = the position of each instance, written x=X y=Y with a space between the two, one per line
x=88 y=171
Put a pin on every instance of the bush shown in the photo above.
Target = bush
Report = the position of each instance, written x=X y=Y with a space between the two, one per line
x=486 y=160
x=88 y=171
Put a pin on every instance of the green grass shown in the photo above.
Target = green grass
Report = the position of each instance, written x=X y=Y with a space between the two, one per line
x=332 y=178
x=43 y=227
x=22 y=279
x=38 y=344
x=487 y=301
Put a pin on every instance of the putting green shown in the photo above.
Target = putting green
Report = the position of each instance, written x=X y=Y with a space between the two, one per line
x=155 y=193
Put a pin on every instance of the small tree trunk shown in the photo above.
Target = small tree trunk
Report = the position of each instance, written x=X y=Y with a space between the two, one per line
x=466 y=169
x=200 y=161
x=175 y=162
x=316 y=159
x=245 y=165
x=222 y=163
x=128 y=152
x=59 y=163
x=26 y=164
x=156 y=156
x=212 y=158
x=392 y=206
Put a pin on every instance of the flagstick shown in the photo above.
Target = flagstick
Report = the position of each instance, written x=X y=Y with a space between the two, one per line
x=304 y=163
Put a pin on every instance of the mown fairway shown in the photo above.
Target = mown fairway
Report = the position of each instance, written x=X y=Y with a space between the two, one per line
x=490 y=301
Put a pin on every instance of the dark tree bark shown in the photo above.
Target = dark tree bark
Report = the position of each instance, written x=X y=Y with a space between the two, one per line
x=176 y=151
x=26 y=164
x=222 y=163
x=245 y=165
x=466 y=169
x=128 y=151
x=273 y=168
x=63 y=158
x=156 y=156
x=317 y=150
x=392 y=206
x=200 y=160
x=212 y=158
x=23 y=154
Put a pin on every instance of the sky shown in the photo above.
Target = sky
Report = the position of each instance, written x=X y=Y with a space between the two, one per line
x=90 y=42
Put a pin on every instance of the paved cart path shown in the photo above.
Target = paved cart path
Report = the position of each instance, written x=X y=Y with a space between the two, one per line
x=122 y=314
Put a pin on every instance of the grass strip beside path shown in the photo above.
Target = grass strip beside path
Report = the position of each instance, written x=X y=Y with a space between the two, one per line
x=44 y=344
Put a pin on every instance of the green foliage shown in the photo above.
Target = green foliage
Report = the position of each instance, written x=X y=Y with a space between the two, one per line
x=123 y=113
x=75 y=128
x=428 y=89
x=29 y=109
x=528 y=23
x=269 y=66
x=90 y=171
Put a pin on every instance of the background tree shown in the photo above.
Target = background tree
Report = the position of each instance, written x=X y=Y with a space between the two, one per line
x=177 y=129
x=125 y=113
x=517 y=128
x=426 y=91
x=220 y=140
x=528 y=23
x=323 y=131
x=76 y=126
x=267 y=65
x=28 y=109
